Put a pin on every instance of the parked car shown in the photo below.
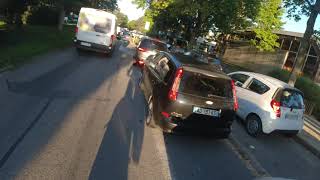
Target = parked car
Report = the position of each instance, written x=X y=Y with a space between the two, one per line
x=148 y=47
x=96 y=30
x=185 y=95
x=267 y=104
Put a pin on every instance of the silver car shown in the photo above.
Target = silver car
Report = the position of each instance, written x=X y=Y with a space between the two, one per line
x=148 y=47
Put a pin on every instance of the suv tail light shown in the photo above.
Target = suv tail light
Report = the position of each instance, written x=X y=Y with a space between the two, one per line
x=173 y=93
x=235 y=99
x=276 y=107
x=113 y=37
x=76 y=30
x=142 y=49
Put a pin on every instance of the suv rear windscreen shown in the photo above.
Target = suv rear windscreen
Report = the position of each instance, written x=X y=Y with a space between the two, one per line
x=152 y=45
x=205 y=86
x=292 y=99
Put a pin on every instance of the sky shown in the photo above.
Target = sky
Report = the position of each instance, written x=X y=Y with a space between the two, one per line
x=133 y=13
x=129 y=9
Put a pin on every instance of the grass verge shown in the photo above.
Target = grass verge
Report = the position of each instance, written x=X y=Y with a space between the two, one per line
x=17 y=46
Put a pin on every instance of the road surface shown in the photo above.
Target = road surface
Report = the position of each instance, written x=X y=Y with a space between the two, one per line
x=84 y=119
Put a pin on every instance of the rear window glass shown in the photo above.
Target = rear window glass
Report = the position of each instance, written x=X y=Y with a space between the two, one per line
x=152 y=45
x=205 y=86
x=94 y=23
x=258 y=87
x=292 y=99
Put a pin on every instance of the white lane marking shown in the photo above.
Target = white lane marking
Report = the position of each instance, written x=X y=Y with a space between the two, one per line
x=162 y=153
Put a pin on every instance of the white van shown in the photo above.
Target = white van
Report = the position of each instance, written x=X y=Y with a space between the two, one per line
x=96 y=30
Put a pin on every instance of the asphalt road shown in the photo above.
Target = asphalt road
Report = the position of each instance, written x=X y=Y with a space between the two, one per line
x=84 y=119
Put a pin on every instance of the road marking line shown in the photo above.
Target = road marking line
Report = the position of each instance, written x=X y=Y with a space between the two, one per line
x=4 y=159
x=247 y=158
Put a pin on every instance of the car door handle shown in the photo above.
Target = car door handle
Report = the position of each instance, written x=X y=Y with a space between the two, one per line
x=97 y=35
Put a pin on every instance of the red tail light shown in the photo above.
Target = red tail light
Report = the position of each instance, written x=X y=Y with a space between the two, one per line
x=142 y=49
x=140 y=62
x=235 y=99
x=276 y=107
x=165 y=114
x=173 y=93
x=112 y=39
x=76 y=29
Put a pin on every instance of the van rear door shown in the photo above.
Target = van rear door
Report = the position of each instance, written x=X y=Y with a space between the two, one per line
x=96 y=26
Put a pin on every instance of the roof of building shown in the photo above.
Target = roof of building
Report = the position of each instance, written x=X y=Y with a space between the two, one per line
x=289 y=33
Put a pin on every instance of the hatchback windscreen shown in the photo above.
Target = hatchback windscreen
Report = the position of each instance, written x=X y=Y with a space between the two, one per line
x=205 y=86
x=292 y=99
x=152 y=45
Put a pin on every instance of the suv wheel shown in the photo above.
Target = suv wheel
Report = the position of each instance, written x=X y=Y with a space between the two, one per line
x=149 y=119
x=253 y=126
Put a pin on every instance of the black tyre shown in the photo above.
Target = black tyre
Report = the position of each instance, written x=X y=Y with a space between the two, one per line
x=150 y=116
x=253 y=125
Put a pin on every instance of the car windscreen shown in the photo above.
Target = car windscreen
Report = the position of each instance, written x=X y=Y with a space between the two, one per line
x=153 y=45
x=292 y=99
x=94 y=23
x=205 y=86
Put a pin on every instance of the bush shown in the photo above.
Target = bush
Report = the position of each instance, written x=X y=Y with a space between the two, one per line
x=310 y=89
x=44 y=15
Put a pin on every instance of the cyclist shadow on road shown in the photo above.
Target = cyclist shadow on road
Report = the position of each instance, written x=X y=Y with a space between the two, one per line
x=123 y=139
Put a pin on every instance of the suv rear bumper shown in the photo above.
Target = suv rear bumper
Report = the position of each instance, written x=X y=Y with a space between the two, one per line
x=93 y=47
x=197 y=126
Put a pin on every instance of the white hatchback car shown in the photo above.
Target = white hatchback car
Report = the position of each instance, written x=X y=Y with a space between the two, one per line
x=267 y=104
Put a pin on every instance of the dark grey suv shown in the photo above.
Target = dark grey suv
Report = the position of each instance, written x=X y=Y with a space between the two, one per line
x=186 y=95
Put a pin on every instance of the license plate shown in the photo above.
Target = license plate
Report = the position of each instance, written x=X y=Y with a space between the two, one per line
x=85 y=44
x=291 y=116
x=208 y=112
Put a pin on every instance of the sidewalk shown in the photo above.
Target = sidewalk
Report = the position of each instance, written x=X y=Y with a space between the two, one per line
x=310 y=136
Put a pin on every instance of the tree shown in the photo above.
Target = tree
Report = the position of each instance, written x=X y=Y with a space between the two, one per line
x=195 y=18
x=122 y=19
x=132 y=25
x=297 y=8
x=268 y=19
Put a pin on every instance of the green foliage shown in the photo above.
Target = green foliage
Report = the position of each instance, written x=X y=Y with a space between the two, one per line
x=138 y=24
x=19 y=45
x=44 y=15
x=195 y=18
x=307 y=86
x=267 y=20
x=122 y=19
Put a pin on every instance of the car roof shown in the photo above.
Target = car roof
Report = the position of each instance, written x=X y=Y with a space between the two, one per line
x=271 y=80
x=190 y=63
x=152 y=39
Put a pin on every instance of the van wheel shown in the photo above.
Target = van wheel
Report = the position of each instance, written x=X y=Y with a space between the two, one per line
x=253 y=125
x=150 y=119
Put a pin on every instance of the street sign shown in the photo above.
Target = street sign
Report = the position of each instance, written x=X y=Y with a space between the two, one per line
x=147 y=26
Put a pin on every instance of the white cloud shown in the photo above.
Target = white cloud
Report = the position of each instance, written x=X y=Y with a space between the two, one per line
x=129 y=9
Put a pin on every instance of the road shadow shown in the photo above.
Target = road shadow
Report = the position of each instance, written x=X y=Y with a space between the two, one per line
x=279 y=155
x=198 y=157
x=62 y=90
x=123 y=139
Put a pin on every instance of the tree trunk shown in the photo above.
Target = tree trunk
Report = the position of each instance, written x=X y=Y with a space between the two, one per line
x=301 y=58
x=61 y=17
